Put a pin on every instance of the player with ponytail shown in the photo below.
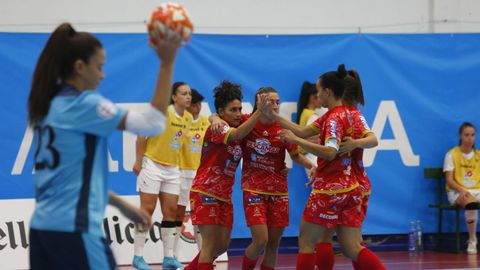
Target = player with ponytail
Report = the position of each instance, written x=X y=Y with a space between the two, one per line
x=336 y=197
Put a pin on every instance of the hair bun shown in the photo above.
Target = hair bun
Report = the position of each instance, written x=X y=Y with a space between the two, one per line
x=341 y=71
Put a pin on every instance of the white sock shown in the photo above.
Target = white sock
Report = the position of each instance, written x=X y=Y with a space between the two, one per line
x=198 y=236
x=139 y=242
x=168 y=239
x=175 y=243
x=471 y=217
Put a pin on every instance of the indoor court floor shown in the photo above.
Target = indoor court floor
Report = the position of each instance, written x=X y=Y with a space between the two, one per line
x=396 y=260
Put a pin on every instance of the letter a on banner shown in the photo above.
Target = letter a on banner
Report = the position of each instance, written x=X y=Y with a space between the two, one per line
x=388 y=111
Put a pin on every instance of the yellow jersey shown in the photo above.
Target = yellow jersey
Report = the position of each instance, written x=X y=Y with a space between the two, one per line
x=304 y=116
x=191 y=150
x=165 y=148
x=466 y=172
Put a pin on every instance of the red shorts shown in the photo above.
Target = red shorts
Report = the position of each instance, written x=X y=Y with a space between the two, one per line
x=363 y=213
x=207 y=210
x=262 y=209
x=330 y=210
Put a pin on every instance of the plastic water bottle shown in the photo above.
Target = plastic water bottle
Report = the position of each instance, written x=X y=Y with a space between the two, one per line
x=419 y=240
x=412 y=239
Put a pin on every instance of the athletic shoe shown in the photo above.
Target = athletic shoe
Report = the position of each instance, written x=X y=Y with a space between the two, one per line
x=140 y=263
x=170 y=263
x=472 y=247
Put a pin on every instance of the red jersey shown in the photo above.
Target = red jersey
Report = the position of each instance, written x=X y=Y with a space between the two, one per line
x=216 y=173
x=334 y=176
x=264 y=159
x=360 y=129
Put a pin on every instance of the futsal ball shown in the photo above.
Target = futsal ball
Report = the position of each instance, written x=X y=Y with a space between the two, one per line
x=170 y=19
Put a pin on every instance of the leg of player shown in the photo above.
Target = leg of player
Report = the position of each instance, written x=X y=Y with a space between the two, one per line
x=211 y=238
x=178 y=226
x=309 y=234
x=325 y=256
x=348 y=238
x=198 y=236
x=183 y=200
x=168 y=203
x=148 y=202
x=255 y=249
x=271 y=250
x=223 y=240
x=471 y=217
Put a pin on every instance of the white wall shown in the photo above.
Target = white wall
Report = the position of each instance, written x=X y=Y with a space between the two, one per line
x=250 y=16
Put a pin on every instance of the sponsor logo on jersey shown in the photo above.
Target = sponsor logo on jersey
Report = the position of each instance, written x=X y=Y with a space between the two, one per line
x=254 y=200
x=208 y=200
x=333 y=128
x=364 y=123
x=468 y=175
x=262 y=146
x=225 y=128
x=326 y=216
x=212 y=212
x=178 y=135
x=346 y=161
x=195 y=138
x=236 y=151
x=256 y=212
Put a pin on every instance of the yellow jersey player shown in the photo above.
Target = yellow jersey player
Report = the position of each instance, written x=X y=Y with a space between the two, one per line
x=190 y=155
x=157 y=167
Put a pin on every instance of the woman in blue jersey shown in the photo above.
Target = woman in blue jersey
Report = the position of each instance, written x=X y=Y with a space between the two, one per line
x=71 y=123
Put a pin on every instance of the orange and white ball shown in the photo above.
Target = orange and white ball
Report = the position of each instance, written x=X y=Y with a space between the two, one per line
x=170 y=19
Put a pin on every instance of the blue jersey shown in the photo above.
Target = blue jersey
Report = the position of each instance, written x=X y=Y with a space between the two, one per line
x=71 y=162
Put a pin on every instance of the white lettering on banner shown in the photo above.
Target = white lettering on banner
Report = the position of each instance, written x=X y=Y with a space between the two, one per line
x=23 y=151
x=388 y=111
x=119 y=232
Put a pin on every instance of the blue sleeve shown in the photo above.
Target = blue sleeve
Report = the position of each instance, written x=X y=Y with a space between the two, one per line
x=90 y=113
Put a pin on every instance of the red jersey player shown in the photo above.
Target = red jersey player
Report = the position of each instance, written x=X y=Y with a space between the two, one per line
x=265 y=187
x=362 y=137
x=335 y=200
x=210 y=198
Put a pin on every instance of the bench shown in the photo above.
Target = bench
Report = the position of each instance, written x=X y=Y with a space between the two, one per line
x=438 y=175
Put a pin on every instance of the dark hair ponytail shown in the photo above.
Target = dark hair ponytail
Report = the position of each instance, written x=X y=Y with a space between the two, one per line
x=353 y=89
x=308 y=89
x=334 y=80
x=341 y=71
x=55 y=64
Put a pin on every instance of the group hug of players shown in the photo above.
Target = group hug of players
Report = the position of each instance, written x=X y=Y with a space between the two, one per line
x=195 y=160
x=183 y=158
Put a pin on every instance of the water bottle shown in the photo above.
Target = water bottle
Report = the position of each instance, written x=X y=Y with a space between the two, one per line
x=412 y=239
x=419 y=240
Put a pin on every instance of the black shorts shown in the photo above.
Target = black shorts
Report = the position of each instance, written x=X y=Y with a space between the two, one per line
x=69 y=250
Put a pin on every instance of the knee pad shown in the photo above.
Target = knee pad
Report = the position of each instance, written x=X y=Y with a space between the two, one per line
x=472 y=206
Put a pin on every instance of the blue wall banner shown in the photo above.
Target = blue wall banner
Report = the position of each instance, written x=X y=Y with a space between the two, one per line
x=419 y=88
